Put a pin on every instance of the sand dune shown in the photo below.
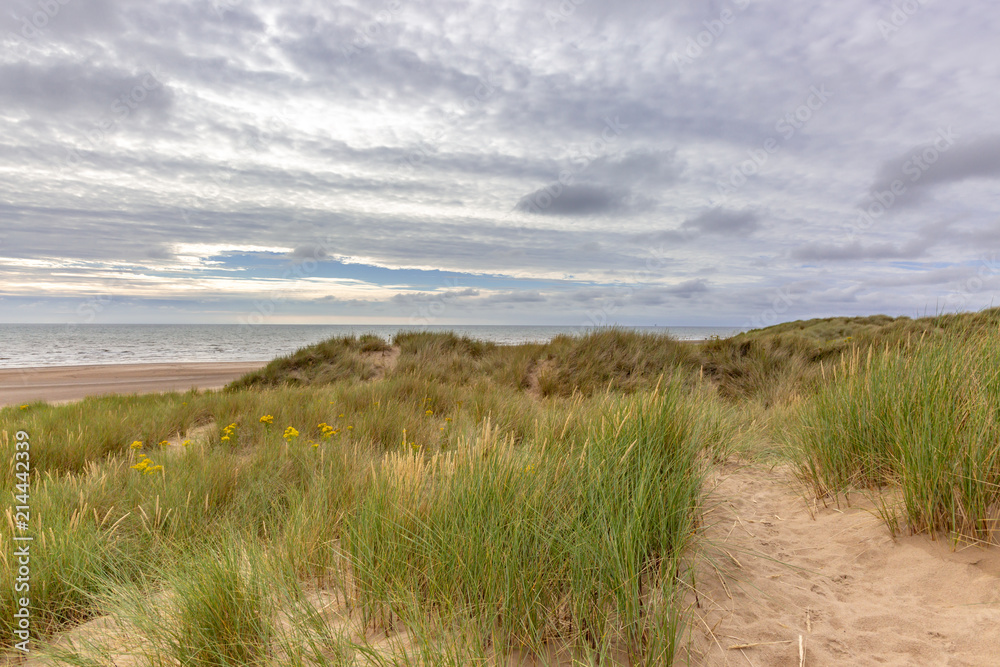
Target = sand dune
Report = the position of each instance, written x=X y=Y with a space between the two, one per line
x=69 y=383
x=855 y=596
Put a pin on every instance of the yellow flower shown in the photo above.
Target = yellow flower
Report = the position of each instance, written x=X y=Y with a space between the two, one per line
x=429 y=413
x=225 y=438
x=314 y=444
x=24 y=407
x=164 y=443
x=341 y=415
x=185 y=443
x=136 y=444
x=290 y=433
x=442 y=428
x=447 y=419
x=267 y=419
x=141 y=465
x=350 y=428
x=152 y=469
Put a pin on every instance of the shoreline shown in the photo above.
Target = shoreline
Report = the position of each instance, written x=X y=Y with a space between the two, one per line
x=63 y=384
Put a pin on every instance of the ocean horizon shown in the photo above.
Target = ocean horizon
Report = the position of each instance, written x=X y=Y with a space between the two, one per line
x=30 y=345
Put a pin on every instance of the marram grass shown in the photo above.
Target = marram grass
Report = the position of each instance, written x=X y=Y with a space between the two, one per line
x=922 y=418
x=556 y=525
x=577 y=542
x=474 y=503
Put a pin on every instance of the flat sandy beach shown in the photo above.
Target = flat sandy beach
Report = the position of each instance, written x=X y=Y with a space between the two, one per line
x=70 y=383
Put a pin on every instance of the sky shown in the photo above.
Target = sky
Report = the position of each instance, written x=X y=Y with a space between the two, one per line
x=573 y=162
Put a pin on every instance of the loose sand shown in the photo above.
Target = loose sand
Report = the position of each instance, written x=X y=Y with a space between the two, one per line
x=855 y=596
x=69 y=383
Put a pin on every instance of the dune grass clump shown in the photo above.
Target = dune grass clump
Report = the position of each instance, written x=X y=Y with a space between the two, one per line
x=923 y=417
x=576 y=543
x=610 y=360
x=341 y=358
x=475 y=519
x=784 y=363
x=442 y=500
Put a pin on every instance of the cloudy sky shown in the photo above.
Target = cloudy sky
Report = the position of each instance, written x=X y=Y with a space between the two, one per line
x=516 y=161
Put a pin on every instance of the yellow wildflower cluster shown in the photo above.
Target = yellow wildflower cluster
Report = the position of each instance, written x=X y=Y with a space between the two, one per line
x=24 y=407
x=290 y=434
x=146 y=467
x=136 y=444
x=228 y=432
x=326 y=430
x=267 y=419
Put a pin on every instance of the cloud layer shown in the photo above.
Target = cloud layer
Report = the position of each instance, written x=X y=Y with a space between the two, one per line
x=568 y=163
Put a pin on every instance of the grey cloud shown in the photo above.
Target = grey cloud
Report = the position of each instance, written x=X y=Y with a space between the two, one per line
x=37 y=22
x=906 y=179
x=723 y=221
x=574 y=200
x=509 y=298
x=159 y=251
x=856 y=251
x=941 y=233
x=712 y=222
x=88 y=93
x=637 y=167
x=309 y=252
x=654 y=296
x=442 y=296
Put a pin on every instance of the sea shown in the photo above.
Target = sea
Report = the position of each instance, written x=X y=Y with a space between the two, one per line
x=29 y=345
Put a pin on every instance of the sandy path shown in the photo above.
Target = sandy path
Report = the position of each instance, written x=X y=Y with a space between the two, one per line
x=854 y=595
x=69 y=383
